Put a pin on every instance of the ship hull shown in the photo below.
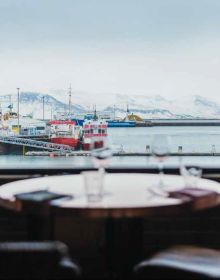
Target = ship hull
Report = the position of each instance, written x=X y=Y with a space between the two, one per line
x=72 y=142
x=97 y=145
x=121 y=124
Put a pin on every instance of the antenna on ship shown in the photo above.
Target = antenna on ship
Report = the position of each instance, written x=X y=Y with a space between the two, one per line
x=10 y=104
x=95 y=117
x=70 y=101
x=18 y=100
x=51 y=111
x=127 y=112
x=43 y=98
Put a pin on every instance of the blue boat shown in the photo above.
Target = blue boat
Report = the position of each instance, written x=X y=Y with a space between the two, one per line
x=111 y=123
x=80 y=121
x=121 y=123
x=115 y=123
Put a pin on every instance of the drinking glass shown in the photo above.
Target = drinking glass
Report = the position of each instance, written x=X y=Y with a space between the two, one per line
x=160 y=149
x=93 y=182
x=191 y=175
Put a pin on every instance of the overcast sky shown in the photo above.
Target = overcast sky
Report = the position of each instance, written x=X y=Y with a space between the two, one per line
x=166 y=47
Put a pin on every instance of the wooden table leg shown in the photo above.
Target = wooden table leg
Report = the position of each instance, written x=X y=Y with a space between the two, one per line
x=38 y=228
x=39 y=221
x=124 y=243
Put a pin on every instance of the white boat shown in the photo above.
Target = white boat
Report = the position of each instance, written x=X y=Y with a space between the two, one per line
x=94 y=134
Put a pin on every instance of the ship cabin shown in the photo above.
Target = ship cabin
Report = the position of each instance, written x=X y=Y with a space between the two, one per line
x=27 y=127
x=95 y=128
x=64 y=127
x=94 y=134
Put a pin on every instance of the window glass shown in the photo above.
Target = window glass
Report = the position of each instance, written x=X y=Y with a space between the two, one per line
x=136 y=71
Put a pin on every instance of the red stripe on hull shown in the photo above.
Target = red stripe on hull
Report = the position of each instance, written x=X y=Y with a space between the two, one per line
x=97 y=145
x=86 y=146
x=65 y=141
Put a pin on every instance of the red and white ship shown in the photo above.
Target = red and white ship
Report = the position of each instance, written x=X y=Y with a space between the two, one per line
x=94 y=134
x=65 y=132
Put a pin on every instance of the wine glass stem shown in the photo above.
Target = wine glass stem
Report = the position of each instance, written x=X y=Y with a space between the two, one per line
x=161 y=173
x=101 y=170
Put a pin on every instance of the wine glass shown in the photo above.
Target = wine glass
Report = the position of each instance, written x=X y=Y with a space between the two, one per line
x=160 y=149
x=101 y=152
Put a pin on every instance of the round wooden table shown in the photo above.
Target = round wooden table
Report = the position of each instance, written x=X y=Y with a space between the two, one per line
x=125 y=196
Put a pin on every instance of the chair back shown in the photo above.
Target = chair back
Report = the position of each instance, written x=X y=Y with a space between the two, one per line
x=36 y=260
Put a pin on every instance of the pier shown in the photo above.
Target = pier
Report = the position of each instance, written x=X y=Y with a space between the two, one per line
x=25 y=142
x=120 y=154
x=178 y=122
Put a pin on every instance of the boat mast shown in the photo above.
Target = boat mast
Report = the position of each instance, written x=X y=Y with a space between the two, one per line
x=18 y=100
x=70 y=101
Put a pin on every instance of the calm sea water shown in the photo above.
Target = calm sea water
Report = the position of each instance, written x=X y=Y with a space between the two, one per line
x=191 y=138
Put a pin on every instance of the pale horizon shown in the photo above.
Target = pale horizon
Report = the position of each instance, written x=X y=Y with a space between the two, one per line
x=150 y=48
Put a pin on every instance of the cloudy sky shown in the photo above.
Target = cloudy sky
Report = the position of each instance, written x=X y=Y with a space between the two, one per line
x=165 y=47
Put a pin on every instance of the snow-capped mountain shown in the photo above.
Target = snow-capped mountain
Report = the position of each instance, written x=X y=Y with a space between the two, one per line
x=158 y=107
x=31 y=103
x=145 y=106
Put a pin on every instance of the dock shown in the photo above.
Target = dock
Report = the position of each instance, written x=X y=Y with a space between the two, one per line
x=42 y=145
x=117 y=154
x=58 y=153
x=178 y=122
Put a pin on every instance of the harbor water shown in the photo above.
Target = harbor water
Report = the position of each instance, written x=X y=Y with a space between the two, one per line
x=192 y=139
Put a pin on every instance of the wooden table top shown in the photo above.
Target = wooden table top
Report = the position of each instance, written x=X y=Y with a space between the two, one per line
x=126 y=195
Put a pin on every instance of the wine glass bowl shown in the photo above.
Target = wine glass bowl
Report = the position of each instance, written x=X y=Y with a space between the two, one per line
x=160 y=149
x=101 y=156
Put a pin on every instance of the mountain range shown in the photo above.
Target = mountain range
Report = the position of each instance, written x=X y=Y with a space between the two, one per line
x=147 y=107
